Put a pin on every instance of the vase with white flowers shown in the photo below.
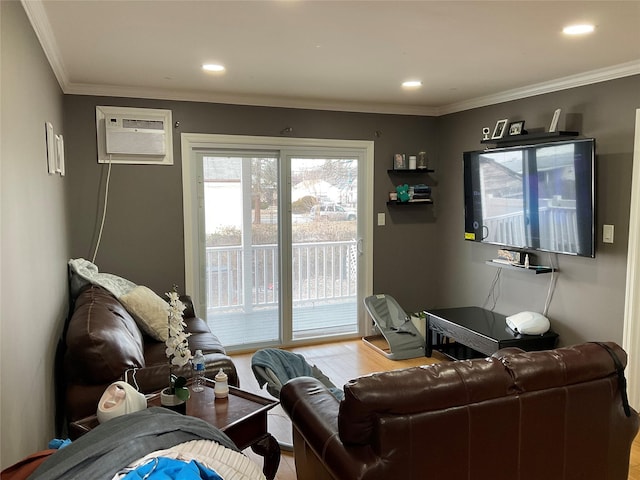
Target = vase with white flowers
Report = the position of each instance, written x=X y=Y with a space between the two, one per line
x=177 y=352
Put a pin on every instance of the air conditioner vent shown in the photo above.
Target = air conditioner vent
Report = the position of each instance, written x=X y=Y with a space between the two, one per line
x=134 y=135
x=144 y=124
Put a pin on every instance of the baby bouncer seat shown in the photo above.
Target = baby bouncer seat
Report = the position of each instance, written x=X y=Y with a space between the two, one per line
x=396 y=327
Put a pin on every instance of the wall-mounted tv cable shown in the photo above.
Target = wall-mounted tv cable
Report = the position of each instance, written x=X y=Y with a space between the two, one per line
x=492 y=291
x=552 y=286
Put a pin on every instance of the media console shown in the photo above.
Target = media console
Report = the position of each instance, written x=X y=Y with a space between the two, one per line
x=473 y=332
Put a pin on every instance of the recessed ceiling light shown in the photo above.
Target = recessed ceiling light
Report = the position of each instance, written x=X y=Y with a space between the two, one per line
x=213 y=67
x=412 y=84
x=578 y=29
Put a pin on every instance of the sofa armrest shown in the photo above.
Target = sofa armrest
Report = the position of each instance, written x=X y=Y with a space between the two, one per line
x=314 y=413
x=312 y=408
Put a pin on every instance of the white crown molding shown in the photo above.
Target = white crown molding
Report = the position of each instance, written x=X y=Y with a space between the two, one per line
x=37 y=16
x=250 y=100
x=573 y=81
x=40 y=22
x=564 y=83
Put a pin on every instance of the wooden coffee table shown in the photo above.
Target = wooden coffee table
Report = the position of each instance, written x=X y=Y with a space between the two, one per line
x=242 y=416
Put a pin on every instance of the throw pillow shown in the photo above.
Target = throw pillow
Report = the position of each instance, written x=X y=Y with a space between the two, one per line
x=150 y=311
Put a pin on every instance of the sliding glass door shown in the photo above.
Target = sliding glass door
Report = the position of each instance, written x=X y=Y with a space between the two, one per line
x=278 y=242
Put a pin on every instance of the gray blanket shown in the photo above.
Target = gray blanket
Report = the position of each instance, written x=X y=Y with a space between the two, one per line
x=276 y=367
x=105 y=450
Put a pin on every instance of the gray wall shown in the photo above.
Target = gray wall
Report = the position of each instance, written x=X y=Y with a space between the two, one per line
x=420 y=257
x=34 y=240
x=143 y=234
x=588 y=303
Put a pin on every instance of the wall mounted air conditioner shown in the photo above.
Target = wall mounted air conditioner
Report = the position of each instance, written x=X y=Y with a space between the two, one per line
x=134 y=135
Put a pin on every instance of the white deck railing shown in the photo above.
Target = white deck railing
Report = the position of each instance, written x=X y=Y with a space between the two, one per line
x=320 y=271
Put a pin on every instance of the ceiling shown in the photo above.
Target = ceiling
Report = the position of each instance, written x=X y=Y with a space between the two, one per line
x=337 y=55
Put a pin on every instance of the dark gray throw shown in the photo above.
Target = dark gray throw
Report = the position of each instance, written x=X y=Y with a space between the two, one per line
x=103 y=451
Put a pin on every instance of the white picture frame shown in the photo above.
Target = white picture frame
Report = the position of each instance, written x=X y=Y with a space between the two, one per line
x=51 y=148
x=554 y=121
x=500 y=128
x=60 y=155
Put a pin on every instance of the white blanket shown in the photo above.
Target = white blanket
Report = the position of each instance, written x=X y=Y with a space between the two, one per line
x=229 y=464
x=84 y=272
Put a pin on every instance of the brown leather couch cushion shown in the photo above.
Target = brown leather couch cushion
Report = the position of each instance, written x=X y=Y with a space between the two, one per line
x=554 y=414
x=103 y=334
x=453 y=384
x=414 y=390
x=533 y=371
x=104 y=344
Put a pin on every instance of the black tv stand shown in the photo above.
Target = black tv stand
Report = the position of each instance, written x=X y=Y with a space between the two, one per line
x=477 y=332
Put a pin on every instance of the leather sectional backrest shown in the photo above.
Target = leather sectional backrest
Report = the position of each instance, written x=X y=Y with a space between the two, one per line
x=104 y=336
x=375 y=399
x=414 y=390
x=533 y=371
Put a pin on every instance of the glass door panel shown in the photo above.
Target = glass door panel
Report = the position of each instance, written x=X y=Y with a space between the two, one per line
x=241 y=264
x=324 y=247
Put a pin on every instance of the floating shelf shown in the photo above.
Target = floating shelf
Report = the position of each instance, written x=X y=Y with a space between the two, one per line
x=410 y=171
x=411 y=202
x=528 y=137
x=536 y=269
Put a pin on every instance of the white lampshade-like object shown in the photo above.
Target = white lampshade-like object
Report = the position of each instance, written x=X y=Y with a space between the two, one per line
x=529 y=323
x=118 y=399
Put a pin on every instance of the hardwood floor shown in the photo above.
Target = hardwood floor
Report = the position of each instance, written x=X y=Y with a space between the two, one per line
x=634 y=461
x=341 y=362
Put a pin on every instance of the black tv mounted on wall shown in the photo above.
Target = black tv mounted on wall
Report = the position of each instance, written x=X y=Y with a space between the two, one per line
x=533 y=197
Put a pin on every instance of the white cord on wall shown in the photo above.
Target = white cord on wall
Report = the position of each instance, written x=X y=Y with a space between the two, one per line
x=552 y=287
x=104 y=212
x=492 y=291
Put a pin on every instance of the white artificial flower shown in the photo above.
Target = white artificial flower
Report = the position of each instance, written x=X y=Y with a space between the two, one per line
x=177 y=344
x=173 y=296
x=180 y=360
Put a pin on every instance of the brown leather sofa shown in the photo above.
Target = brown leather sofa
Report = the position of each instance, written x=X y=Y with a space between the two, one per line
x=556 y=414
x=103 y=341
